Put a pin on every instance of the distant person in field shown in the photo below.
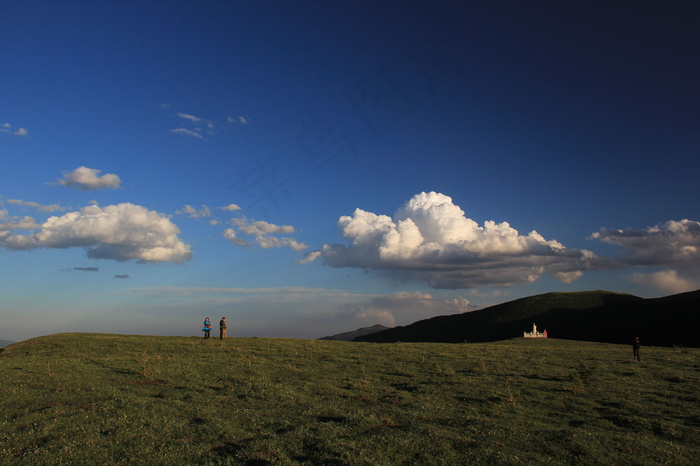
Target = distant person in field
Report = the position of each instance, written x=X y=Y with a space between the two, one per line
x=635 y=349
x=207 y=328
x=222 y=328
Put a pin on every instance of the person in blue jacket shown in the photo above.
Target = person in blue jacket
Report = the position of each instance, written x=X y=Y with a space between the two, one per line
x=207 y=328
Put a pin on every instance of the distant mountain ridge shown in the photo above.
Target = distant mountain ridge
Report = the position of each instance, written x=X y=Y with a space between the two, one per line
x=601 y=316
x=349 y=336
x=6 y=342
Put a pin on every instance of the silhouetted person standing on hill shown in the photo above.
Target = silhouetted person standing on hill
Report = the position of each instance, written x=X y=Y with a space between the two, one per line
x=222 y=328
x=635 y=349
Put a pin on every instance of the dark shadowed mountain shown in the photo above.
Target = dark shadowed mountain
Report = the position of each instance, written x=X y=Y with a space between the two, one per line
x=349 y=336
x=590 y=316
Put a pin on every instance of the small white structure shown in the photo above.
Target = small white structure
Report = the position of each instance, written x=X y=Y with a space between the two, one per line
x=535 y=333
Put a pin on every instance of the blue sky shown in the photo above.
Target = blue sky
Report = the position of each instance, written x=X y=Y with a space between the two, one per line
x=309 y=168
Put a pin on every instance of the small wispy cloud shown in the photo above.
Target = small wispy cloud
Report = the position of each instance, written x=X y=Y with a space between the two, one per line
x=310 y=257
x=194 y=126
x=121 y=276
x=191 y=212
x=230 y=207
x=205 y=212
x=192 y=118
x=35 y=205
x=240 y=119
x=87 y=269
x=7 y=128
x=188 y=132
x=265 y=235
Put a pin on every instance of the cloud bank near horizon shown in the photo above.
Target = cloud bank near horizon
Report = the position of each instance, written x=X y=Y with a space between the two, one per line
x=431 y=239
x=315 y=312
x=673 y=244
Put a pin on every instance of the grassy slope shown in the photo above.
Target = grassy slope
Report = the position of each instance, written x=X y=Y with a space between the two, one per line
x=101 y=399
x=589 y=316
x=349 y=336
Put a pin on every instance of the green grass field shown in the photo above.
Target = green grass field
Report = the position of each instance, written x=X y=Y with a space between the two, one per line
x=104 y=399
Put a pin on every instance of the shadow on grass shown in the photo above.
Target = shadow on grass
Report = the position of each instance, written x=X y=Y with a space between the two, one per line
x=227 y=449
x=336 y=419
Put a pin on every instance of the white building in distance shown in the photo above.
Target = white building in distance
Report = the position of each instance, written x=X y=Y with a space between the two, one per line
x=535 y=333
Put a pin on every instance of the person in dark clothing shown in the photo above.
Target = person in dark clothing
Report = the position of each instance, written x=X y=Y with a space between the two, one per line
x=222 y=328
x=635 y=349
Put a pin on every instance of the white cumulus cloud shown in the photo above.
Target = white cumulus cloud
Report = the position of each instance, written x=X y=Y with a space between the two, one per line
x=88 y=179
x=429 y=238
x=230 y=207
x=120 y=232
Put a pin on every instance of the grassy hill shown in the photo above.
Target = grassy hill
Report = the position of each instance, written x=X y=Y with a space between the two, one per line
x=105 y=399
x=349 y=336
x=600 y=316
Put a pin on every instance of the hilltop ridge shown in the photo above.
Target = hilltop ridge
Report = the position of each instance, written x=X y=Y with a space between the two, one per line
x=602 y=316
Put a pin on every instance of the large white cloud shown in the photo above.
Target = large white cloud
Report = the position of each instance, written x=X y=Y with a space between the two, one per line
x=88 y=179
x=429 y=238
x=121 y=232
